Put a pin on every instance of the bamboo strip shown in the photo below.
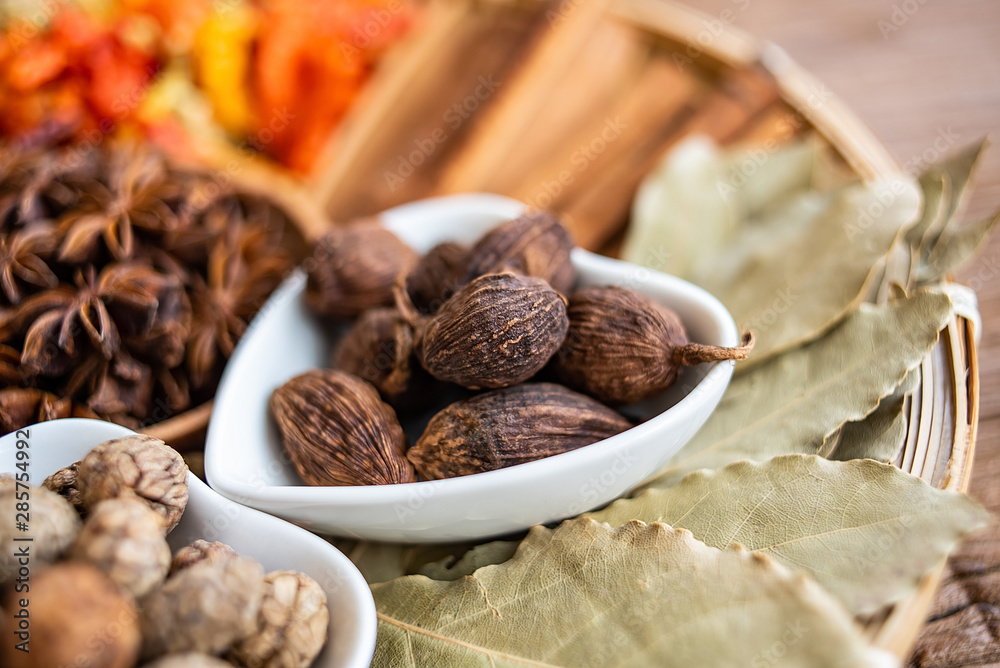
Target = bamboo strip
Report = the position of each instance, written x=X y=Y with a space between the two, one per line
x=940 y=409
x=913 y=423
x=926 y=416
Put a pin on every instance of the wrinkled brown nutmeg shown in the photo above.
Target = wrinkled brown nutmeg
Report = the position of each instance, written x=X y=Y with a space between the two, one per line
x=497 y=331
x=63 y=483
x=54 y=527
x=436 y=276
x=511 y=426
x=534 y=244
x=140 y=466
x=204 y=608
x=623 y=347
x=79 y=617
x=201 y=551
x=354 y=268
x=337 y=431
x=291 y=625
x=124 y=538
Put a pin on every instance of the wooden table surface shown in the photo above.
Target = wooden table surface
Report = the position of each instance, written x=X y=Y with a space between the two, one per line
x=919 y=72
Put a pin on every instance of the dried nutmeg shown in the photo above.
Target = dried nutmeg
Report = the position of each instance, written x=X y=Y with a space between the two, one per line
x=63 y=483
x=204 y=608
x=53 y=527
x=623 y=347
x=436 y=276
x=140 y=466
x=497 y=331
x=535 y=244
x=78 y=617
x=124 y=538
x=337 y=431
x=511 y=426
x=201 y=551
x=354 y=268
x=291 y=625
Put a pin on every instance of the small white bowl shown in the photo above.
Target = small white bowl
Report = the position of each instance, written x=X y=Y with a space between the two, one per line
x=244 y=459
x=275 y=543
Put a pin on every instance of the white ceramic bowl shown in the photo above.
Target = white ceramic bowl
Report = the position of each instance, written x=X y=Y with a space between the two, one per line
x=244 y=458
x=274 y=543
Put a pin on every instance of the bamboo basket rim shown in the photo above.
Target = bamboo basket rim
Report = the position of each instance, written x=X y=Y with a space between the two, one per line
x=944 y=462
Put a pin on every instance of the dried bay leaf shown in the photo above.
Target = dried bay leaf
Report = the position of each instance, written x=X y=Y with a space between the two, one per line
x=788 y=259
x=486 y=554
x=585 y=594
x=794 y=402
x=954 y=247
x=882 y=433
x=380 y=562
x=826 y=264
x=866 y=531
x=679 y=217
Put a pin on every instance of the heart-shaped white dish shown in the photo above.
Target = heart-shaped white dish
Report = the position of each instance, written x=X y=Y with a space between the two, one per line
x=273 y=542
x=245 y=460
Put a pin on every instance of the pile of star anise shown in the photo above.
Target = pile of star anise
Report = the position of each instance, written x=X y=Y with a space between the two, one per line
x=124 y=283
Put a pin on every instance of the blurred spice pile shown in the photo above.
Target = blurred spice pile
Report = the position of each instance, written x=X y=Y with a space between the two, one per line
x=124 y=284
x=273 y=76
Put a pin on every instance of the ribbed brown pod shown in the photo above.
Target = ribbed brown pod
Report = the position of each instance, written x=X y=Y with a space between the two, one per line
x=535 y=244
x=354 y=268
x=511 y=426
x=623 y=347
x=337 y=431
x=436 y=276
x=378 y=349
x=497 y=331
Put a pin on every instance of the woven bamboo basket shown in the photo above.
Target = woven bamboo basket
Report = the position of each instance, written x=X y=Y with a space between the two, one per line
x=502 y=95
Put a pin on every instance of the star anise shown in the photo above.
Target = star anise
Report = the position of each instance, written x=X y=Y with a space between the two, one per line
x=23 y=259
x=139 y=196
x=162 y=339
x=52 y=341
x=243 y=269
x=36 y=185
x=123 y=386
x=20 y=407
x=10 y=367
